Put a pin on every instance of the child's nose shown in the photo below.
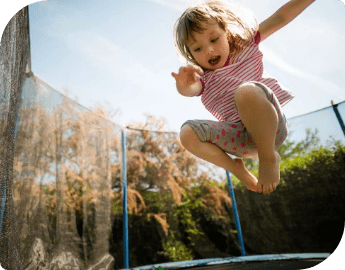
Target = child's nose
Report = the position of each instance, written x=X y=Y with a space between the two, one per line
x=210 y=49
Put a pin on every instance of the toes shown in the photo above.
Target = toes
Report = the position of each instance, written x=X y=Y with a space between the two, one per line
x=266 y=189
x=275 y=185
x=270 y=188
x=254 y=188
x=260 y=188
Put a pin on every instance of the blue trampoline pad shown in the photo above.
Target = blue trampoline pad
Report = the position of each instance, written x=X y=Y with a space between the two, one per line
x=272 y=262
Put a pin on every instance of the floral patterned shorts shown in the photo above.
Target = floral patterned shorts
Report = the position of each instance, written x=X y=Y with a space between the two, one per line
x=234 y=138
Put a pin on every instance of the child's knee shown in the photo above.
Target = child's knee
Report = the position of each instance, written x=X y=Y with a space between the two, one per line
x=243 y=92
x=188 y=136
x=248 y=92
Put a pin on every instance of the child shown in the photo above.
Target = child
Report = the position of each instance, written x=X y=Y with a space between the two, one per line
x=227 y=72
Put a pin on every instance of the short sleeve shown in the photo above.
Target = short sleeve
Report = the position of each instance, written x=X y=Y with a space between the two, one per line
x=257 y=38
x=203 y=87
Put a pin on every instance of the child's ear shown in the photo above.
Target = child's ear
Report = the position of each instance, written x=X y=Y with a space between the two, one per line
x=229 y=36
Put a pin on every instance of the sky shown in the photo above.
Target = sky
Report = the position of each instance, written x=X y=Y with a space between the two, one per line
x=121 y=54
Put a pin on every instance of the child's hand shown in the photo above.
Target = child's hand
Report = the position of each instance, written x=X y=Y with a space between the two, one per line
x=187 y=76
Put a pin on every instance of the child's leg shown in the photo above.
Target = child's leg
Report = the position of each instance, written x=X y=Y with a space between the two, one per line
x=261 y=119
x=212 y=153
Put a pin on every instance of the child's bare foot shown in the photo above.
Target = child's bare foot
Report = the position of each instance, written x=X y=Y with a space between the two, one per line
x=245 y=176
x=269 y=174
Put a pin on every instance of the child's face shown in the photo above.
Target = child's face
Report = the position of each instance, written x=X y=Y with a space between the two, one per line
x=210 y=48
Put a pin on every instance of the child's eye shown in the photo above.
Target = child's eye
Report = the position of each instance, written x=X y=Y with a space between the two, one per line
x=214 y=40
x=197 y=49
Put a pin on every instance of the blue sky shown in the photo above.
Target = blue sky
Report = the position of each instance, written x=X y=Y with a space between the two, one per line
x=121 y=54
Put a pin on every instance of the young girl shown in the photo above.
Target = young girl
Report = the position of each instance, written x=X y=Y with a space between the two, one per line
x=226 y=70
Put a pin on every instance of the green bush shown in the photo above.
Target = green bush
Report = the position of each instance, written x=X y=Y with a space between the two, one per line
x=176 y=250
x=304 y=155
x=322 y=162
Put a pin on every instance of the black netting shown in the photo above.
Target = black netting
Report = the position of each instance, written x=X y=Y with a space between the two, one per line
x=323 y=122
x=62 y=178
x=55 y=185
x=14 y=62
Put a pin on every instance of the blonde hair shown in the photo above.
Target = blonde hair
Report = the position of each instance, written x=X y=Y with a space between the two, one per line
x=240 y=27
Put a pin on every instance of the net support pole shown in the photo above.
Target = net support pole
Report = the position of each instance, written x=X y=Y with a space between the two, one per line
x=237 y=219
x=336 y=111
x=3 y=201
x=124 y=201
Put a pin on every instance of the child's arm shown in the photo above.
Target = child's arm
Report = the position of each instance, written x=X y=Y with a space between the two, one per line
x=188 y=80
x=282 y=17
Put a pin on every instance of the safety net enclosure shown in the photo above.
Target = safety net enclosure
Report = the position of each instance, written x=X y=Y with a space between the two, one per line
x=14 y=63
x=64 y=198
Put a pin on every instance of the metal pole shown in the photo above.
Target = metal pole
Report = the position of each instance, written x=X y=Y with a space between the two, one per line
x=237 y=219
x=2 y=206
x=124 y=201
x=335 y=108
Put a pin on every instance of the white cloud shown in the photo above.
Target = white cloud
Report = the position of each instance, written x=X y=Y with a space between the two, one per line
x=109 y=57
x=273 y=58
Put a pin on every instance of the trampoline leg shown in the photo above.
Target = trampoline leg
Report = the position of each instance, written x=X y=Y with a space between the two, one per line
x=124 y=202
x=336 y=111
x=237 y=219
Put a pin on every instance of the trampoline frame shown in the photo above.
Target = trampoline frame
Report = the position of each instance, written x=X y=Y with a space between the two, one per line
x=214 y=262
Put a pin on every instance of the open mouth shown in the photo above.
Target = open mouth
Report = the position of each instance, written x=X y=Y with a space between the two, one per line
x=214 y=60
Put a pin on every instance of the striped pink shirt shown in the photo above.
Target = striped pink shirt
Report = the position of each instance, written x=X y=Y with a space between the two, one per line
x=219 y=85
